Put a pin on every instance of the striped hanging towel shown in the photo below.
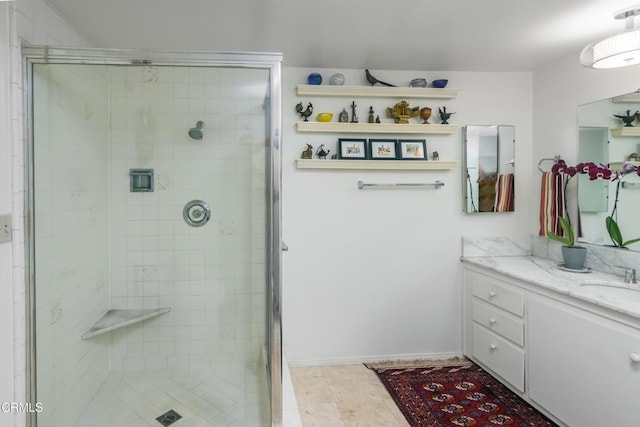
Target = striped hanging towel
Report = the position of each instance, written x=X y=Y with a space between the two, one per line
x=551 y=203
x=504 y=193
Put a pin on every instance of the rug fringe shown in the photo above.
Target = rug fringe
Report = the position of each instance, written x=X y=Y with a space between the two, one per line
x=418 y=363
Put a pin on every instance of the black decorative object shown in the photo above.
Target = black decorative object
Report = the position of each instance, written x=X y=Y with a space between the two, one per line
x=308 y=153
x=371 y=118
x=444 y=116
x=628 y=119
x=306 y=113
x=321 y=153
x=354 y=118
x=373 y=81
x=344 y=116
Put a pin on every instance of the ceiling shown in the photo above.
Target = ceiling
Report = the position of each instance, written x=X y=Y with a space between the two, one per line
x=462 y=35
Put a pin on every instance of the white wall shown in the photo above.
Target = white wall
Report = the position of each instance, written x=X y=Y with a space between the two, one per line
x=375 y=274
x=559 y=88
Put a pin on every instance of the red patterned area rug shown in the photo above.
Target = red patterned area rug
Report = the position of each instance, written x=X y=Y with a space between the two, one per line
x=454 y=393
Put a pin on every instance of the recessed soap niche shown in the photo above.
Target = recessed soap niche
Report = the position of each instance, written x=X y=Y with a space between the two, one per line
x=140 y=180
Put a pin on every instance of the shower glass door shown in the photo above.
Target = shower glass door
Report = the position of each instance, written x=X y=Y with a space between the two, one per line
x=154 y=202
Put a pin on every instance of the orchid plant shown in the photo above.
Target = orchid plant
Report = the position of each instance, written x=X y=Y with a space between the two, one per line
x=596 y=172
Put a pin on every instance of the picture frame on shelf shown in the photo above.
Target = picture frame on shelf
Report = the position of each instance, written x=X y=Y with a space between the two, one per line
x=383 y=149
x=412 y=149
x=352 y=148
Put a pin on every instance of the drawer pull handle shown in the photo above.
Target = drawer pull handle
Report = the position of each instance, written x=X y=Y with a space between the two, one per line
x=493 y=347
x=492 y=321
x=492 y=294
x=635 y=357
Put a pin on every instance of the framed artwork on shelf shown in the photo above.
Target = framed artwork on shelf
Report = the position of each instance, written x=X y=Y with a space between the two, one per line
x=352 y=148
x=383 y=149
x=412 y=149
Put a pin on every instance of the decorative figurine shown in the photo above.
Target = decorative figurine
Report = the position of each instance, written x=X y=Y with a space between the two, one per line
x=628 y=119
x=308 y=153
x=377 y=119
x=425 y=113
x=401 y=112
x=354 y=118
x=334 y=156
x=371 y=119
x=372 y=80
x=435 y=155
x=306 y=113
x=444 y=116
x=321 y=153
x=344 y=116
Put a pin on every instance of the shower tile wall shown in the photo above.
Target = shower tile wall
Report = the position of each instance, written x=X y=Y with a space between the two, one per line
x=70 y=129
x=212 y=277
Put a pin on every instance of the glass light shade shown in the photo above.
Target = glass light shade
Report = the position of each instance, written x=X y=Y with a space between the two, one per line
x=620 y=50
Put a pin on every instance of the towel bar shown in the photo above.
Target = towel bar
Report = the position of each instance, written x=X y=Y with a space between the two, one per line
x=437 y=184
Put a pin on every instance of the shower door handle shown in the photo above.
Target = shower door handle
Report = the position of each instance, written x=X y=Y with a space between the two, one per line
x=284 y=247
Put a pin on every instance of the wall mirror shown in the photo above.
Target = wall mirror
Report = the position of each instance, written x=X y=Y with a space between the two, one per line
x=488 y=153
x=604 y=138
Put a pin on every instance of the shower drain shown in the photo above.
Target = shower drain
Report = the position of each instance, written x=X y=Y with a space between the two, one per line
x=169 y=418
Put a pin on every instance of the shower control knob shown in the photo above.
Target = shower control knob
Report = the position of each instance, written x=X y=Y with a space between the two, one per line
x=196 y=213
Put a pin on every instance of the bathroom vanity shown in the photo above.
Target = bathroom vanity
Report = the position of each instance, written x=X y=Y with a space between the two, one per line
x=568 y=343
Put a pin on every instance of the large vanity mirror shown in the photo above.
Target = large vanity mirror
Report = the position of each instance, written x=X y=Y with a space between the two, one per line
x=603 y=138
x=488 y=168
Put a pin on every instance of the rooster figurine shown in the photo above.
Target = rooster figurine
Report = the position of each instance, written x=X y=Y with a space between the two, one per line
x=306 y=113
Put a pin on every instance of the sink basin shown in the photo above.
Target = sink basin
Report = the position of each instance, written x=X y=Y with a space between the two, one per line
x=607 y=290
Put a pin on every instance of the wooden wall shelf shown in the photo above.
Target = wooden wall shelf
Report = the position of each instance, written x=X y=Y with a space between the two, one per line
x=375 y=164
x=625 y=131
x=376 y=91
x=338 y=127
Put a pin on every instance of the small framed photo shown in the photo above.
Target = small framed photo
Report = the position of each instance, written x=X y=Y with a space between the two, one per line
x=352 y=149
x=383 y=149
x=413 y=149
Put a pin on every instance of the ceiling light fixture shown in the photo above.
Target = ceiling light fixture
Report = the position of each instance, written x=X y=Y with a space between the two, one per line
x=619 y=50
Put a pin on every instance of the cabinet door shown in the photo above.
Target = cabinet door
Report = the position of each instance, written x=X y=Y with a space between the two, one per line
x=581 y=366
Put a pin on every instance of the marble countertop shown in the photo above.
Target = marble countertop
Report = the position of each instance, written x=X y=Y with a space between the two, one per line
x=597 y=288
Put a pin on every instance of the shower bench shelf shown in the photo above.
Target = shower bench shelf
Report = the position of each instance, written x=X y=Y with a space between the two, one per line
x=119 y=318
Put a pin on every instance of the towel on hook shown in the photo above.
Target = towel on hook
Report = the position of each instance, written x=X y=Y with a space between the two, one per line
x=504 y=193
x=551 y=203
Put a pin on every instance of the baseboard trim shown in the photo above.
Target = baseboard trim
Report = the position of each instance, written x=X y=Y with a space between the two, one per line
x=370 y=359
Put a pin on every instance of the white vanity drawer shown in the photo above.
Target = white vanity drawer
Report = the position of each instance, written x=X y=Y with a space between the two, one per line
x=498 y=322
x=491 y=290
x=498 y=354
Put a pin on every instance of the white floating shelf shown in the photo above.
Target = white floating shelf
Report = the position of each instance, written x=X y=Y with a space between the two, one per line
x=625 y=131
x=119 y=318
x=376 y=91
x=633 y=97
x=375 y=164
x=339 y=127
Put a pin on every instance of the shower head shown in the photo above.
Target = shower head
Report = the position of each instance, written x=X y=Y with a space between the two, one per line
x=196 y=132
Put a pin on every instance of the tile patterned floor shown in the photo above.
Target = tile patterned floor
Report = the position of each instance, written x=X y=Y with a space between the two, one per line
x=343 y=396
x=203 y=398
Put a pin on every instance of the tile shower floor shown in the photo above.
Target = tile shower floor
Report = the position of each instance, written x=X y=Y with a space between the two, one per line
x=202 y=398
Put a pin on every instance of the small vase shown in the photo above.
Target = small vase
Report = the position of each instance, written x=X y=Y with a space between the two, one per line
x=425 y=113
x=574 y=257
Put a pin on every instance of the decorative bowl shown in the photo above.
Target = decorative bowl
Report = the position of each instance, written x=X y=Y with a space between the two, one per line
x=324 y=117
x=336 y=80
x=418 y=83
x=314 y=79
x=440 y=83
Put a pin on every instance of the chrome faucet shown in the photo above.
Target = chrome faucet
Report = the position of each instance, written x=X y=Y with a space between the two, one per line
x=630 y=275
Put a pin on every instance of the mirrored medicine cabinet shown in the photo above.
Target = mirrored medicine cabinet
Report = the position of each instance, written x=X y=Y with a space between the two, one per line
x=488 y=168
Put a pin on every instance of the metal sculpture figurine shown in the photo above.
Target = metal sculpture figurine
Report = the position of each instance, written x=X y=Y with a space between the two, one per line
x=372 y=80
x=308 y=153
x=628 y=119
x=321 y=153
x=444 y=116
x=371 y=118
x=401 y=112
x=435 y=155
x=354 y=118
x=306 y=113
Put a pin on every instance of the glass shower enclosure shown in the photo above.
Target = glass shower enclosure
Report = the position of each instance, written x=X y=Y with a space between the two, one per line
x=154 y=241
